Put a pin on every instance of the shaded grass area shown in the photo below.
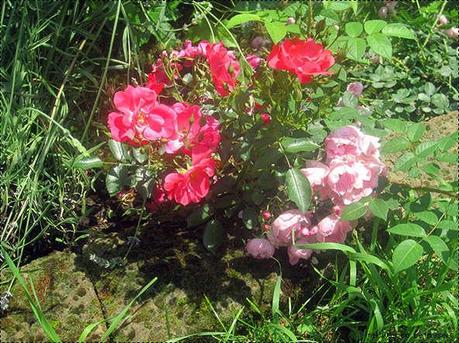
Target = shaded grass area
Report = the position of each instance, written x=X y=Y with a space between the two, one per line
x=54 y=62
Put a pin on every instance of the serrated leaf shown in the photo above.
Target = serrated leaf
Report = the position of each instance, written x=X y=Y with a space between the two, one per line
x=298 y=189
x=213 y=236
x=295 y=145
x=398 y=30
x=379 y=208
x=425 y=149
x=406 y=254
x=239 y=19
x=355 y=211
x=416 y=131
x=380 y=44
x=396 y=125
x=439 y=247
x=405 y=162
x=353 y=29
x=374 y=26
x=276 y=30
x=119 y=150
x=356 y=48
x=408 y=229
x=395 y=145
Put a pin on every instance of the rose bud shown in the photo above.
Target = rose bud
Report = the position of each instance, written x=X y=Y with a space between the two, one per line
x=266 y=215
x=452 y=33
x=442 y=20
x=266 y=118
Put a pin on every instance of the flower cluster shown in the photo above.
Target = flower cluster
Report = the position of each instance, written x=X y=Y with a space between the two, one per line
x=178 y=129
x=222 y=63
x=350 y=172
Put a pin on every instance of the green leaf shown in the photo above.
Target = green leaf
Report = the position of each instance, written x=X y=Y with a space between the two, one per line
x=374 y=26
x=448 y=225
x=116 y=179
x=326 y=246
x=439 y=247
x=398 y=30
x=426 y=148
x=427 y=217
x=239 y=19
x=380 y=44
x=356 y=48
x=356 y=210
x=408 y=229
x=276 y=30
x=119 y=150
x=405 y=162
x=250 y=218
x=379 y=208
x=294 y=145
x=396 y=125
x=416 y=131
x=213 y=235
x=395 y=145
x=199 y=216
x=88 y=163
x=353 y=29
x=429 y=88
x=298 y=189
x=406 y=254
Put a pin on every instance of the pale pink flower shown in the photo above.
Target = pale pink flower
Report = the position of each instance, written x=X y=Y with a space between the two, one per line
x=295 y=254
x=349 y=140
x=442 y=20
x=254 y=61
x=355 y=88
x=260 y=248
x=351 y=180
x=289 y=224
x=332 y=229
x=453 y=32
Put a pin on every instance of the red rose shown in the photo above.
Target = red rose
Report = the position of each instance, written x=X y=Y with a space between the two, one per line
x=305 y=58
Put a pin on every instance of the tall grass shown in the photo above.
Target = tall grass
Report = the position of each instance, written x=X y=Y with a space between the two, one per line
x=54 y=60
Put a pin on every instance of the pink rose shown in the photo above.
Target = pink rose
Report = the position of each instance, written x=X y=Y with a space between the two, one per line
x=315 y=172
x=289 y=223
x=197 y=136
x=140 y=117
x=224 y=68
x=355 y=88
x=191 y=186
x=260 y=248
x=349 y=140
x=332 y=229
x=254 y=61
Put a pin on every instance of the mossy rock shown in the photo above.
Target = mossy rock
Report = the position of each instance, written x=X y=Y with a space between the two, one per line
x=66 y=296
x=192 y=283
x=437 y=128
